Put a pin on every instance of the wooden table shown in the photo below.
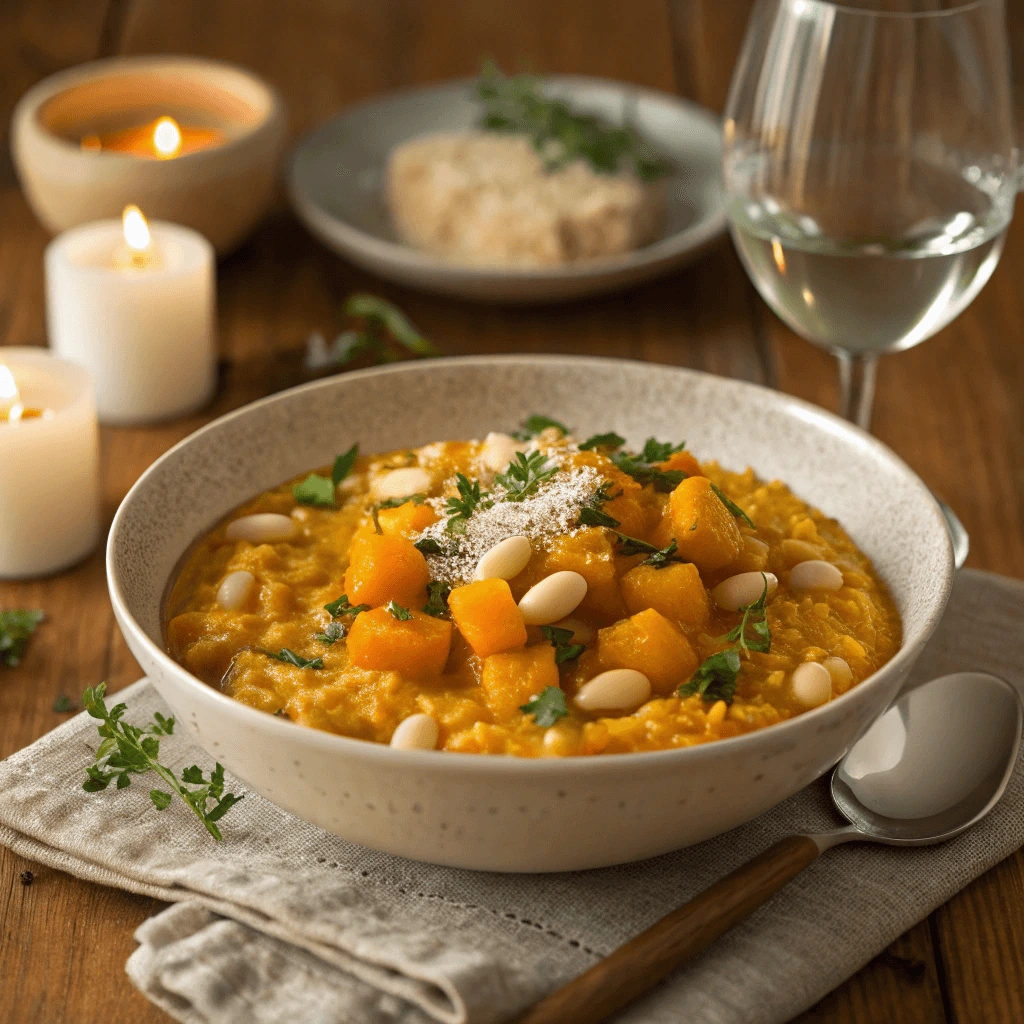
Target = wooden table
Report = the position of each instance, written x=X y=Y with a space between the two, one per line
x=953 y=408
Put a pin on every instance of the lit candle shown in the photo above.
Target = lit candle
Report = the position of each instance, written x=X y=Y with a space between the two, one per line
x=49 y=464
x=133 y=303
x=162 y=139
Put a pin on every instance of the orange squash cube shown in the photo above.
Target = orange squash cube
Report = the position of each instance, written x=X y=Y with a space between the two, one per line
x=383 y=569
x=676 y=591
x=512 y=679
x=630 y=515
x=705 y=530
x=406 y=520
x=591 y=553
x=486 y=614
x=648 y=643
x=684 y=461
x=413 y=647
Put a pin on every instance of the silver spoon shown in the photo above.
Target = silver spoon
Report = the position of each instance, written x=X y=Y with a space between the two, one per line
x=932 y=766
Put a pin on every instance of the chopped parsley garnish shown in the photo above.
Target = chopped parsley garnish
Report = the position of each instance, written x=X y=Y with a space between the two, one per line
x=396 y=611
x=469 y=500
x=536 y=424
x=315 y=490
x=593 y=515
x=610 y=440
x=634 y=546
x=289 y=657
x=755 y=619
x=127 y=750
x=343 y=464
x=716 y=678
x=16 y=627
x=660 y=451
x=341 y=607
x=561 y=640
x=524 y=475
x=644 y=467
x=663 y=557
x=332 y=633
x=547 y=708
x=732 y=506
x=517 y=104
x=437 y=598
x=428 y=546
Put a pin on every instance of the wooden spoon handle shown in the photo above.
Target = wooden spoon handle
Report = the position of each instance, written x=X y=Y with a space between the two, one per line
x=642 y=962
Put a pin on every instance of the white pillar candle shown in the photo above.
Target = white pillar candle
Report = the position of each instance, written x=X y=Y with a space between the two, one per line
x=137 y=313
x=49 y=464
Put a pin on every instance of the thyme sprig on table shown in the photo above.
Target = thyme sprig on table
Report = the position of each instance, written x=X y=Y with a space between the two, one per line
x=126 y=750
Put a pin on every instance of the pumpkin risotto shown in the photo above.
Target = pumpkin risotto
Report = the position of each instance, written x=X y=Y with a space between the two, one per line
x=531 y=594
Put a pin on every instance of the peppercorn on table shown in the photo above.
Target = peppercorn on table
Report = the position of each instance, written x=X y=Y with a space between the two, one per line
x=953 y=409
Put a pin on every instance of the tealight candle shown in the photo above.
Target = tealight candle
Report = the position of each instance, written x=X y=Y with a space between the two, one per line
x=162 y=139
x=134 y=304
x=49 y=464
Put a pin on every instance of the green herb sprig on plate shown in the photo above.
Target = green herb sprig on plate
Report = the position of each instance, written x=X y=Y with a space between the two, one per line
x=320 y=490
x=437 y=598
x=537 y=424
x=524 y=475
x=561 y=640
x=593 y=515
x=547 y=707
x=644 y=468
x=470 y=498
x=128 y=750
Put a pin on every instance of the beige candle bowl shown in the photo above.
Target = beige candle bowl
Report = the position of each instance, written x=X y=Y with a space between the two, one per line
x=221 y=191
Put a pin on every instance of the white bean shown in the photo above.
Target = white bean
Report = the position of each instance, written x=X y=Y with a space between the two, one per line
x=553 y=598
x=498 y=451
x=582 y=632
x=506 y=560
x=815 y=575
x=619 y=689
x=841 y=673
x=417 y=732
x=262 y=528
x=400 y=483
x=745 y=588
x=234 y=589
x=812 y=684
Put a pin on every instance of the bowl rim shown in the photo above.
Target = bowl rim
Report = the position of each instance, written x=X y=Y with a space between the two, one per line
x=542 y=766
x=401 y=255
x=27 y=109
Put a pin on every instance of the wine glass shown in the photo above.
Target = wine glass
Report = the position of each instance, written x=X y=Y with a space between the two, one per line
x=871 y=170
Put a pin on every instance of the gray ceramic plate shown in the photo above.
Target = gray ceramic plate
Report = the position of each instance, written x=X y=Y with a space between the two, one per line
x=336 y=184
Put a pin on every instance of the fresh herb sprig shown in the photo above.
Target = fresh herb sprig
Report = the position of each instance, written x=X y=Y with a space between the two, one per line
x=644 y=467
x=755 y=621
x=732 y=506
x=593 y=515
x=289 y=657
x=518 y=105
x=428 y=546
x=609 y=441
x=332 y=633
x=547 y=707
x=320 y=490
x=537 y=424
x=469 y=499
x=341 y=607
x=396 y=611
x=561 y=640
x=524 y=475
x=16 y=628
x=128 y=750
x=437 y=598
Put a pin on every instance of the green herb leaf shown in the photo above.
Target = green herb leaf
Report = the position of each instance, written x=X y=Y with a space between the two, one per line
x=755 y=620
x=659 y=451
x=315 y=490
x=469 y=500
x=428 y=546
x=524 y=475
x=663 y=557
x=536 y=424
x=593 y=515
x=561 y=640
x=732 y=506
x=547 y=708
x=128 y=750
x=16 y=626
x=63 y=704
x=343 y=464
x=716 y=678
x=332 y=633
x=382 y=314
x=610 y=441
x=396 y=611
x=289 y=657
x=643 y=471
x=437 y=598
x=634 y=546
x=341 y=607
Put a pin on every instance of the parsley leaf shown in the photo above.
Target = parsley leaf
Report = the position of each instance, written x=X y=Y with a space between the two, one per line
x=732 y=506
x=716 y=678
x=341 y=607
x=663 y=557
x=547 y=708
x=561 y=640
x=593 y=515
x=659 y=451
x=469 y=500
x=289 y=657
x=536 y=424
x=524 y=475
x=642 y=467
x=343 y=465
x=315 y=490
x=332 y=633
x=755 y=618
x=634 y=546
x=127 y=750
x=16 y=626
x=396 y=611
x=428 y=546
x=437 y=598
x=609 y=440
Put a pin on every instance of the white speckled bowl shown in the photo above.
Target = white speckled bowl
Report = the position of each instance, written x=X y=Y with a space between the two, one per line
x=510 y=814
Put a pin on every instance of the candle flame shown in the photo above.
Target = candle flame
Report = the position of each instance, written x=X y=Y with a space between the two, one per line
x=167 y=138
x=136 y=229
x=9 y=395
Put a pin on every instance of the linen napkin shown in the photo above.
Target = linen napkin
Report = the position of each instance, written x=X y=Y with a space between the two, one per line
x=283 y=922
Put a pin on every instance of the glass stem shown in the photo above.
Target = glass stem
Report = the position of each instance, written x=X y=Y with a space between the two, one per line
x=857 y=387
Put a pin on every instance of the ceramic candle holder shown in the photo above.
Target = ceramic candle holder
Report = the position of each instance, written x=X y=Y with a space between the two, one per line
x=220 y=191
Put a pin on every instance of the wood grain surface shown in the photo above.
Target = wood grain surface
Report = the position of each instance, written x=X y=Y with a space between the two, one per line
x=953 y=408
